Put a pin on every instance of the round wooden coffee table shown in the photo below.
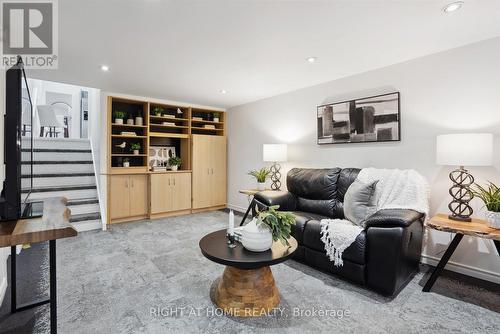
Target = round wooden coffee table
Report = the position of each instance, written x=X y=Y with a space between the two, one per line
x=247 y=287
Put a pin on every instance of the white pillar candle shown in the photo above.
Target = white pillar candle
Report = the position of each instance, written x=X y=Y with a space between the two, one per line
x=230 y=229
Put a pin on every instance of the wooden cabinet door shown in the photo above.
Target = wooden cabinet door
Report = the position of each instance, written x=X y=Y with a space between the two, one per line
x=139 y=195
x=218 y=170
x=181 y=191
x=119 y=196
x=161 y=193
x=201 y=171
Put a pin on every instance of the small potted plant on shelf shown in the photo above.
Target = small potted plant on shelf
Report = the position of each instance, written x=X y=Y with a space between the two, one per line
x=119 y=116
x=130 y=120
x=270 y=225
x=174 y=163
x=138 y=119
x=135 y=147
x=490 y=195
x=126 y=162
x=216 y=117
x=157 y=110
x=261 y=176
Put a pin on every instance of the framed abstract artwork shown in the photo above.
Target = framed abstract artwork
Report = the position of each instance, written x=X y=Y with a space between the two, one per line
x=365 y=120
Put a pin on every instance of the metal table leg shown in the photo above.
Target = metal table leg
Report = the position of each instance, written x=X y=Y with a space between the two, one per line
x=442 y=263
x=53 y=287
x=247 y=212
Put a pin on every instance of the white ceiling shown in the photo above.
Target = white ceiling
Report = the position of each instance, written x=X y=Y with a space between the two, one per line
x=188 y=50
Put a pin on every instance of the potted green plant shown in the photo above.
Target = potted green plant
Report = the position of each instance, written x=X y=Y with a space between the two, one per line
x=174 y=163
x=119 y=116
x=270 y=225
x=157 y=110
x=216 y=117
x=261 y=176
x=126 y=162
x=135 y=147
x=490 y=195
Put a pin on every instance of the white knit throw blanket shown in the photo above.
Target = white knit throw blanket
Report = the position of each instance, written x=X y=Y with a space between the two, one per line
x=396 y=189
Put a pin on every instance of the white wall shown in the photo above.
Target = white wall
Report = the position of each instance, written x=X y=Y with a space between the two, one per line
x=453 y=91
x=4 y=252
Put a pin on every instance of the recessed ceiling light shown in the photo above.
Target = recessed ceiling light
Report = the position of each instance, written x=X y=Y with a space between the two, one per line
x=105 y=68
x=452 y=7
x=311 y=59
x=222 y=91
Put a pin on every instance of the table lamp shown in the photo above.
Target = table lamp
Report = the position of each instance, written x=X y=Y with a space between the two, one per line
x=466 y=149
x=275 y=153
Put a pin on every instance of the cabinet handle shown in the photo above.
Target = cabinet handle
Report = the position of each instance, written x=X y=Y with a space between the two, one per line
x=168 y=181
x=174 y=181
x=132 y=181
x=212 y=171
x=126 y=184
x=208 y=171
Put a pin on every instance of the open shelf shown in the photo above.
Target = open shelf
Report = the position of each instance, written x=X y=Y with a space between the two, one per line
x=128 y=155
x=206 y=122
x=169 y=126
x=168 y=135
x=129 y=136
x=128 y=126
x=152 y=117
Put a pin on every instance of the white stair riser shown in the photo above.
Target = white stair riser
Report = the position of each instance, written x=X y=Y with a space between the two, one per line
x=84 y=208
x=57 y=181
x=88 y=225
x=57 y=156
x=54 y=169
x=69 y=194
x=48 y=143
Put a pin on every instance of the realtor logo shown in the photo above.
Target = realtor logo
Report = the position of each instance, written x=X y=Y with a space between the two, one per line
x=30 y=30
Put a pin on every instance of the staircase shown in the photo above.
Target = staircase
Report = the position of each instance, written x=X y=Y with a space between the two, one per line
x=64 y=168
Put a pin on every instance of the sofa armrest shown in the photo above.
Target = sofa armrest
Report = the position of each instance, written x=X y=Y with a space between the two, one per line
x=393 y=218
x=284 y=199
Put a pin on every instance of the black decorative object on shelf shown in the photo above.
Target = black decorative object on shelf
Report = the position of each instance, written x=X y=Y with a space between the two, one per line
x=462 y=195
x=275 y=176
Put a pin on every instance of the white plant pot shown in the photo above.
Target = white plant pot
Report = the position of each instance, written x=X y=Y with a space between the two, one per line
x=216 y=119
x=138 y=121
x=174 y=168
x=130 y=121
x=136 y=152
x=126 y=164
x=256 y=238
x=261 y=185
x=493 y=219
x=118 y=120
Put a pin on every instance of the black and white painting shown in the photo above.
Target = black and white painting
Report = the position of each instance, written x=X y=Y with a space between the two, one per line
x=371 y=119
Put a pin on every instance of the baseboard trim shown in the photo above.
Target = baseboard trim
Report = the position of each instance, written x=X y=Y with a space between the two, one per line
x=464 y=269
x=3 y=288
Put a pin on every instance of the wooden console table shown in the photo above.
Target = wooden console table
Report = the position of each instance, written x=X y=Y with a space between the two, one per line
x=476 y=228
x=54 y=224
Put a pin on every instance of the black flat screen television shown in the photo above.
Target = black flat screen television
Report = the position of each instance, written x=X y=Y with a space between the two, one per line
x=18 y=149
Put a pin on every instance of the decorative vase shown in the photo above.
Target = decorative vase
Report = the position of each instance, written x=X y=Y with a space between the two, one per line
x=118 y=120
x=138 y=121
x=256 y=238
x=126 y=164
x=493 y=219
x=174 y=168
x=136 y=152
x=130 y=121
x=261 y=185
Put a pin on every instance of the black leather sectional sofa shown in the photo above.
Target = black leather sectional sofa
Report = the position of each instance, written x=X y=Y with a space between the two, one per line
x=384 y=256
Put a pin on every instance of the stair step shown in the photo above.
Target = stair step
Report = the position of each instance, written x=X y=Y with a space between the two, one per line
x=52 y=189
x=57 y=143
x=83 y=201
x=69 y=194
x=83 y=217
x=59 y=156
x=49 y=162
x=88 y=225
x=58 y=180
x=58 y=175
x=57 y=150
x=55 y=167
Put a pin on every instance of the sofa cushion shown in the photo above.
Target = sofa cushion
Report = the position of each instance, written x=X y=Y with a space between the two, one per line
x=354 y=253
x=301 y=219
x=359 y=201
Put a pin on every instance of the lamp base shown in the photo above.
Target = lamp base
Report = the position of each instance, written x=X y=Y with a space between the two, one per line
x=275 y=176
x=460 y=219
x=462 y=195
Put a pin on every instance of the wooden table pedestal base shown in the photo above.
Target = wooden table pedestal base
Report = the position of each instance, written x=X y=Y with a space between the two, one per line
x=247 y=293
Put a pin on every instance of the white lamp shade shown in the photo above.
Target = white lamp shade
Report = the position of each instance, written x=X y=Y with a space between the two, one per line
x=466 y=149
x=274 y=153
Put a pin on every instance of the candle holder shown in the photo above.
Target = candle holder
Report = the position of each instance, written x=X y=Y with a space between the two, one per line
x=231 y=240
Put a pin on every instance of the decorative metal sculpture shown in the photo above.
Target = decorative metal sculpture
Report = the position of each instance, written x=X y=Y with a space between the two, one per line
x=462 y=195
x=275 y=176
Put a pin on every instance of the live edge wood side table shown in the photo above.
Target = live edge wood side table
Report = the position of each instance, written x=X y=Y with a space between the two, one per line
x=52 y=225
x=476 y=228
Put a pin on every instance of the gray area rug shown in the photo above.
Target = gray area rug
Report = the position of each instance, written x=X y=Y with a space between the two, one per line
x=150 y=277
